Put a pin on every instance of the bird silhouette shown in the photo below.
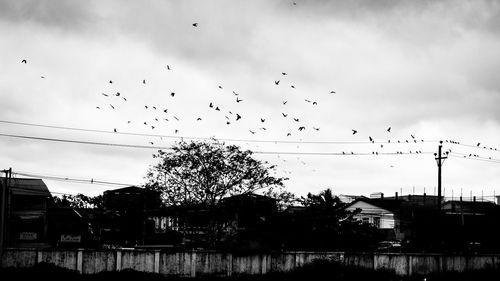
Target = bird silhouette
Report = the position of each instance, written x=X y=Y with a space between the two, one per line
x=292 y=86
x=478 y=144
x=252 y=132
x=168 y=67
x=154 y=107
x=296 y=119
x=152 y=127
x=284 y=73
x=238 y=100
x=262 y=128
x=307 y=100
x=117 y=94
x=112 y=106
x=165 y=110
x=354 y=132
x=289 y=134
x=24 y=61
x=227 y=122
x=317 y=129
x=110 y=82
x=389 y=129
x=172 y=94
x=198 y=119
x=97 y=107
x=195 y=24
x=315 y=103
x=284 y=115
x=284 y=102
x=370 y=138
x=176 y=131
x=211 y=105
x=302 y=128
x=106 y=95
x=262 y=120
x=43 y=77
x=146 y=106
x=277 y=82
x=151 y=143
x=145 y=123
x=124 y=98
x=176 y=118
x=217 y=108
x=143 y=81
x=238 y=117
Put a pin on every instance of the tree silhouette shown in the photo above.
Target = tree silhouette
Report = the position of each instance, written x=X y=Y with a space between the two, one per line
x=200 y=174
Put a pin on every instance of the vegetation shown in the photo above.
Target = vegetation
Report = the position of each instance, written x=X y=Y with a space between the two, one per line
x=78 y=201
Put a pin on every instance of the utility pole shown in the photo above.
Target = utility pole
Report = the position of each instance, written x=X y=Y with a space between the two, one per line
x=3 y=207
x=439 y=160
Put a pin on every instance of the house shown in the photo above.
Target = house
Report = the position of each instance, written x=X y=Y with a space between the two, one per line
x=27 y=203
x=123 y=221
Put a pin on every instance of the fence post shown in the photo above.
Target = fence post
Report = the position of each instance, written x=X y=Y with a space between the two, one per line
x=156 y=267
x=118 y=260
x=229 y=264
x=39 y=256
x=79 y=261
x=193 y=264
x=264 y=264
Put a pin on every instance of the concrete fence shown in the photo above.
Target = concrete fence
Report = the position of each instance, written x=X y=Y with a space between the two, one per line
x=197 y=263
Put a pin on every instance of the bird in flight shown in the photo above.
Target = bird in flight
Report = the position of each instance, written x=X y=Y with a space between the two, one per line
x=238 y=117
x=284 y=73
x=104 y=94
x=262 y=120
x=168 y=67
x=296 y=119
x=154 y=107
x=478 y=144
x=284 y=115
x=112 y=106
x=292 y=86
x=307 y=100
x=277 y=82
x=124 y=98
x=195 y=24
x=252 y=132
x=24 y=61
x=172 y=94
x=389 y=129
x=332 y=92
x=198 y=119
x=284 y=102
x=302 y=128
x=289 y=134
x=110 y=82
x=217 y=108
x=114 y=130
x=315 y=103
x=211 y=105
x=146 y=106
x=97 y=107
x=238 y=100
x=263 y=128
x=317 y=129
x=117 y=94
x=354 y=132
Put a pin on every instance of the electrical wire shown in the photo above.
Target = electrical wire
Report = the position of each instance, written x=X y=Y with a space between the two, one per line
x=168 y=148
x=221 y=139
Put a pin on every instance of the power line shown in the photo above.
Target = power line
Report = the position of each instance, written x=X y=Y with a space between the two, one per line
x=477 y=146
x=221 y=139
x=73 y=180
x=168 y=148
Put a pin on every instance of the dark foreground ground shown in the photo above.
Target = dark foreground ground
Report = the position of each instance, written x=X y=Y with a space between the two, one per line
x=320 y=270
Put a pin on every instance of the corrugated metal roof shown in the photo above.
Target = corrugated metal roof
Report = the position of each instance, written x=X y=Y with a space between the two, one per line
x=28 y=187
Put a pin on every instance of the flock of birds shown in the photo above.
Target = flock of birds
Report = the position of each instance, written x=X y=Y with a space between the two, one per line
x=231 y=116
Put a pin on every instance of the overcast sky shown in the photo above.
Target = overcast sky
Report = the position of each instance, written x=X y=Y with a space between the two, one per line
x=426 y=69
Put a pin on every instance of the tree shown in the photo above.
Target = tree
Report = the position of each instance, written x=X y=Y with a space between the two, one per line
x=78 y=201
x=206 y=172
x=202 y=173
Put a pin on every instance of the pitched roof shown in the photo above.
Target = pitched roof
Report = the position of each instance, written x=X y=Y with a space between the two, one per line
x=27 y=187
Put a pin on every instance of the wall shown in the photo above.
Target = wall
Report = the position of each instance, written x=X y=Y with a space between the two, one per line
x=198 y=263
